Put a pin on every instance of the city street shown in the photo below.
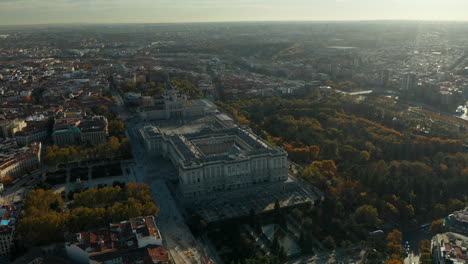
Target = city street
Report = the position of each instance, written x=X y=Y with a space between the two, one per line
x=18 y=191
x=412 y=259
x=178 y=239
x=411 y=244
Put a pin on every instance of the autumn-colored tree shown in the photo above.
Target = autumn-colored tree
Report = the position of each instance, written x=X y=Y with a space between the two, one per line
x=367 y=215
x=116 y=128
x=329 y=242
x=376 y=151
x=439 y=210
x=389 y=211
x=464 y=173
x=437 y=227
x=44 y=219
x=425 y=249
x=7 y=180
x=326 y=167
x=187 y=88
x=394 y=247
x=455 y=205
x=393 y=261
x=302 y=154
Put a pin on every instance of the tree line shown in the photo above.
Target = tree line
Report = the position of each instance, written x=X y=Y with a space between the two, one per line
x=46 y=218
x=371 y=158
x=113 y=148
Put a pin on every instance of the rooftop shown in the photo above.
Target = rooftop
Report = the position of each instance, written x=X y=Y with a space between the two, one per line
x=209 y=139
x=460 y=216
x=150 y=254
x=452 y=246
x=15 y=154
x=118 y=236
x=96 y=123
x=8 y=216
x=213 y=145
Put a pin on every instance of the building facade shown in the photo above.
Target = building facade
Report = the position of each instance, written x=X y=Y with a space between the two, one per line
x=8 y=128
x=218 y=160
x=8 y=216
x=171 y=105
x=29 y=159
x=34 y=132
x=93 y=130
x=73 y=131
x=66 y=136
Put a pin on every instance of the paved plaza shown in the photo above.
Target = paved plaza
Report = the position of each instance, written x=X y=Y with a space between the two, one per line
x=177 y=238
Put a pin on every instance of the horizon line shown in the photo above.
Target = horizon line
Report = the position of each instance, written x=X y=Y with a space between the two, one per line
x=236 y=21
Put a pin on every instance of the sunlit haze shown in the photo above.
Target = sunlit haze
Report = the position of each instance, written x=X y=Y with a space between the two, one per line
x=153 y=11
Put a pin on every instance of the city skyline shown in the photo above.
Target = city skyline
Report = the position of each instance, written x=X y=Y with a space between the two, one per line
x=16 y=12
x=233 y=131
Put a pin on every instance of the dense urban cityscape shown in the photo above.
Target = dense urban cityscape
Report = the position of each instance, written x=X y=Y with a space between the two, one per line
x=243 y=143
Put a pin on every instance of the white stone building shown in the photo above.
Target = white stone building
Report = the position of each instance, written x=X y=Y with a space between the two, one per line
x=171 y=105
x=217 y=158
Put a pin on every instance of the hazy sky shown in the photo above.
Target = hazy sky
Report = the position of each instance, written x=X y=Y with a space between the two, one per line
x=135 y=11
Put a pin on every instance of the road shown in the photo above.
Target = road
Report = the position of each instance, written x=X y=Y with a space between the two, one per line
x=412 y=259
x=411 y=244
x=19 y=190
x=177 y=238
x=120 y=107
